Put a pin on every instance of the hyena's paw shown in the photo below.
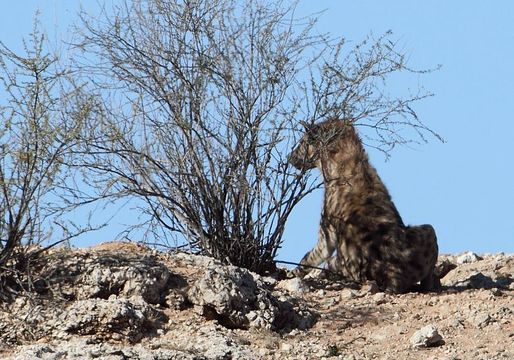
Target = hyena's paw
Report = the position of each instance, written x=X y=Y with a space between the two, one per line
x=431 y=283
x=300 y=272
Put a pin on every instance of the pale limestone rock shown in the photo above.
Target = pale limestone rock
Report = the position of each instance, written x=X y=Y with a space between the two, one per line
x=426 y=337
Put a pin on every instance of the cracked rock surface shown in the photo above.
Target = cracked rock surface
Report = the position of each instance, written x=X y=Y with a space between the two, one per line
x=125 y=301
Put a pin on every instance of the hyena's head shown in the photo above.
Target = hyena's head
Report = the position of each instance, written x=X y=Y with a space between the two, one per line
x=319 y=140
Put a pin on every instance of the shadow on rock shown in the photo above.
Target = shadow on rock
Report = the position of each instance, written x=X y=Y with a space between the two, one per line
x=478 y=280
x=102 y=274
x=106 y=295
x=236 y=299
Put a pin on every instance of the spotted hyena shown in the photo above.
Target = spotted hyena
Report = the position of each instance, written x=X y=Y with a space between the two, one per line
x=359 y=220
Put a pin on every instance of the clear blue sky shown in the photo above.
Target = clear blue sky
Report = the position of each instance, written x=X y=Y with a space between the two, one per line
x=465 y=187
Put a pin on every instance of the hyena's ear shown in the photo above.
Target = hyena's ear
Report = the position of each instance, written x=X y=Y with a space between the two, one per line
x=310 y=128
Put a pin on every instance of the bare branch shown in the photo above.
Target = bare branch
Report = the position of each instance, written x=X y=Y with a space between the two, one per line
x=198 y=102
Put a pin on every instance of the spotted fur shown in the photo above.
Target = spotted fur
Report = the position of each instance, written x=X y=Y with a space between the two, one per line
x=359 y=220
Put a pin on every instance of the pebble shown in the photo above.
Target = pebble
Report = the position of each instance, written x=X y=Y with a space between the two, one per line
x=426 y=337
x=370 y=287
x=347 y=294
x=293 y=285
x=286 y=347
x=467 y=258
x=480 y=320
x=457 y=323
x=496 y=292
x=263 y=352
x=379 y=298
x=349 y=357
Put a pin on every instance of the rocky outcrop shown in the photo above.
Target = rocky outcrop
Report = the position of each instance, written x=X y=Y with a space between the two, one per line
x=82 y=350
x=107 y=296
x=124 y=301
x=238 y=299
x=81 y=275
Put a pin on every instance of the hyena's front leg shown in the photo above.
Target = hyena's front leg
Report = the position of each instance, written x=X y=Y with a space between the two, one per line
x=322 y=251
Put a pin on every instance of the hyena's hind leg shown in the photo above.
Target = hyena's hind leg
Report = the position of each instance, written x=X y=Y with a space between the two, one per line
x=336 y=269
x=321 y=253
x=423 y=237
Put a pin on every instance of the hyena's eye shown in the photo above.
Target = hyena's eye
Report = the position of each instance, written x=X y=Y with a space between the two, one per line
x=313 y=134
